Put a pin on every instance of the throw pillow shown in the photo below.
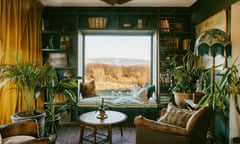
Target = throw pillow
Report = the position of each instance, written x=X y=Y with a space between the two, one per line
x=88 y=89
x=141 y=95
x=150 y=89
x=176 y=116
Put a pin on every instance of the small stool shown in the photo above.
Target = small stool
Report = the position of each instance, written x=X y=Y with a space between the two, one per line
x=94 y=134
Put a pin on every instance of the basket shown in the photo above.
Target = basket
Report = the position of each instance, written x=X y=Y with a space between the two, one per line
x=97 y=22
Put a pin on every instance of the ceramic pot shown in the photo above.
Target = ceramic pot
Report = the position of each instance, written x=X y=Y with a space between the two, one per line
x=40 y=117
x=179 y=98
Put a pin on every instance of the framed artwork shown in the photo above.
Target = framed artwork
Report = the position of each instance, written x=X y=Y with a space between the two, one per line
x=58 y=59
x=219 y=21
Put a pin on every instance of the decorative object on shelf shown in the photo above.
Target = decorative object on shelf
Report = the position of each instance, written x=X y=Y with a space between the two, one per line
x=127 y=25
x=113 y=2
x=102 y=110
x=65 y=42
x=176 y=43
x=51 y=42
x=140 y=23
x=58 y=59
x=179 y=27
x=164 y=25
x=186 y=44
x=97 y=22
x=68 y=74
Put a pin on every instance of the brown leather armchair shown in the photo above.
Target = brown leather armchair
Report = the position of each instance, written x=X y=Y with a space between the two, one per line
x=155 y=132
x=22 y=132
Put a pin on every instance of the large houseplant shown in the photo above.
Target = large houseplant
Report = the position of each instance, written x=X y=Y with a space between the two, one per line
x=53 y=85
x=184 y=78
x=28 y=79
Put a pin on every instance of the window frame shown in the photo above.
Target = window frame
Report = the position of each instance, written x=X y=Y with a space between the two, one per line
x=153 y=51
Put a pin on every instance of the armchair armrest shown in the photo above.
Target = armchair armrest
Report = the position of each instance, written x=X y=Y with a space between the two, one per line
x=25 y=127
x=142 y=121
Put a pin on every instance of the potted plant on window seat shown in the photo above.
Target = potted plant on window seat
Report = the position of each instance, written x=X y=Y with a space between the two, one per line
x=185 y=77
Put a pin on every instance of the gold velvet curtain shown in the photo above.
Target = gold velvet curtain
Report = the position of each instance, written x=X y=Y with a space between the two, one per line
x=20 y=39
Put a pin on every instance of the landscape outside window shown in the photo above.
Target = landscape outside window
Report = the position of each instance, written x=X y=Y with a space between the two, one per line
x=117 y=63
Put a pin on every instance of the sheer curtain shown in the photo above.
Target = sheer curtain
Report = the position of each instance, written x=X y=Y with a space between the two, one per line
x=20 y=39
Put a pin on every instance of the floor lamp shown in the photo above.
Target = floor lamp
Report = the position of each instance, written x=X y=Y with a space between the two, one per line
x=213 y=42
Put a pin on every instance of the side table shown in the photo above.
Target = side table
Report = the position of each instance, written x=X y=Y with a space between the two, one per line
x=90 y=120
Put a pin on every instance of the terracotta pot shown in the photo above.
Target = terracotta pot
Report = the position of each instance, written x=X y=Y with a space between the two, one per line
x=179 y=98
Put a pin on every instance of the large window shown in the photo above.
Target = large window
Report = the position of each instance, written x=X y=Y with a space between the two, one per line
x=117 y=62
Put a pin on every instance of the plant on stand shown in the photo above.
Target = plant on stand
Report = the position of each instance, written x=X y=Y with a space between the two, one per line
x=65 y=87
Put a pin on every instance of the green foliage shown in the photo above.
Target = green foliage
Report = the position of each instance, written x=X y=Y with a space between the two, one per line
x=228 y=85
x=53 y=85
x=28 y=79
x=186 y=75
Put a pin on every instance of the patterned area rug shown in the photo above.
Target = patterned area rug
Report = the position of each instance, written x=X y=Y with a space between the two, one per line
x=71 y=134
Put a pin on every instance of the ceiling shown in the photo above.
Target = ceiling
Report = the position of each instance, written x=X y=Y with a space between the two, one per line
x=132 y=3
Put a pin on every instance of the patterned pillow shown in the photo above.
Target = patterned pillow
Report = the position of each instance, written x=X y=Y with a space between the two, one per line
x=88 y=89
x=176 y=116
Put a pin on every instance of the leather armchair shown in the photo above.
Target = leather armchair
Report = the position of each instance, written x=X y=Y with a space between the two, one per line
x=155 y=132
x=22 y=132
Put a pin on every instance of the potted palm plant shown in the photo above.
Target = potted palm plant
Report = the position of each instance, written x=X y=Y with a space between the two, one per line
x=28 y=79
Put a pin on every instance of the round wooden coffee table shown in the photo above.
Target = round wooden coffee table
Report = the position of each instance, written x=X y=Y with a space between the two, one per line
x=90 y=120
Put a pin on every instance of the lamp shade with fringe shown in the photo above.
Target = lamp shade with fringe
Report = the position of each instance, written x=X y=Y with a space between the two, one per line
x=213 y=42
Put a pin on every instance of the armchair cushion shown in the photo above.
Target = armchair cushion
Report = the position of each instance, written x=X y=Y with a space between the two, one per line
x=176 y=116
